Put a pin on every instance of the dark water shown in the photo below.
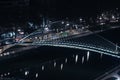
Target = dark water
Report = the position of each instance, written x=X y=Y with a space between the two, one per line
x=53 y=63
x=112 y=35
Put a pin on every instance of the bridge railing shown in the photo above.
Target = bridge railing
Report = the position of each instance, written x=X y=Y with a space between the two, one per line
x=75 y=45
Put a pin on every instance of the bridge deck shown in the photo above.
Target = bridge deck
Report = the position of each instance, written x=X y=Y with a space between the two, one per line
x=91 y=40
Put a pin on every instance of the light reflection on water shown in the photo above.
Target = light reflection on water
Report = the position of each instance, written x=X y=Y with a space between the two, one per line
x=84 y=65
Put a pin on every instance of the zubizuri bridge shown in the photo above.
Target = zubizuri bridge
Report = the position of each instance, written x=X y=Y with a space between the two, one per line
x=82 y=39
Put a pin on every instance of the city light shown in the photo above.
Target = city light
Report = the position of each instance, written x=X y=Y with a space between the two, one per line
x=67 y=24
x=66 y=40
x=63 y=22
x=26 y=73
x=81 y=19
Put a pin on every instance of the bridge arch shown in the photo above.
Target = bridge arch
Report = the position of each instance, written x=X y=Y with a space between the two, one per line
x=81 y=47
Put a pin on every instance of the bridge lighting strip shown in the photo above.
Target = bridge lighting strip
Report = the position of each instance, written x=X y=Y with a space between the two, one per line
x=81 y=48
x=53 y=43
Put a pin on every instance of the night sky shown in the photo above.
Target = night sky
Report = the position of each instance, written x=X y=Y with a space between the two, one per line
x=66 y=7
x=74 y=7
x=55 y=8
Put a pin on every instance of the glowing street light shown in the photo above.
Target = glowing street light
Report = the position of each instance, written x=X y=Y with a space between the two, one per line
x=67 y=24
x=81 y=19
x=26 y=73
x=62 y=22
